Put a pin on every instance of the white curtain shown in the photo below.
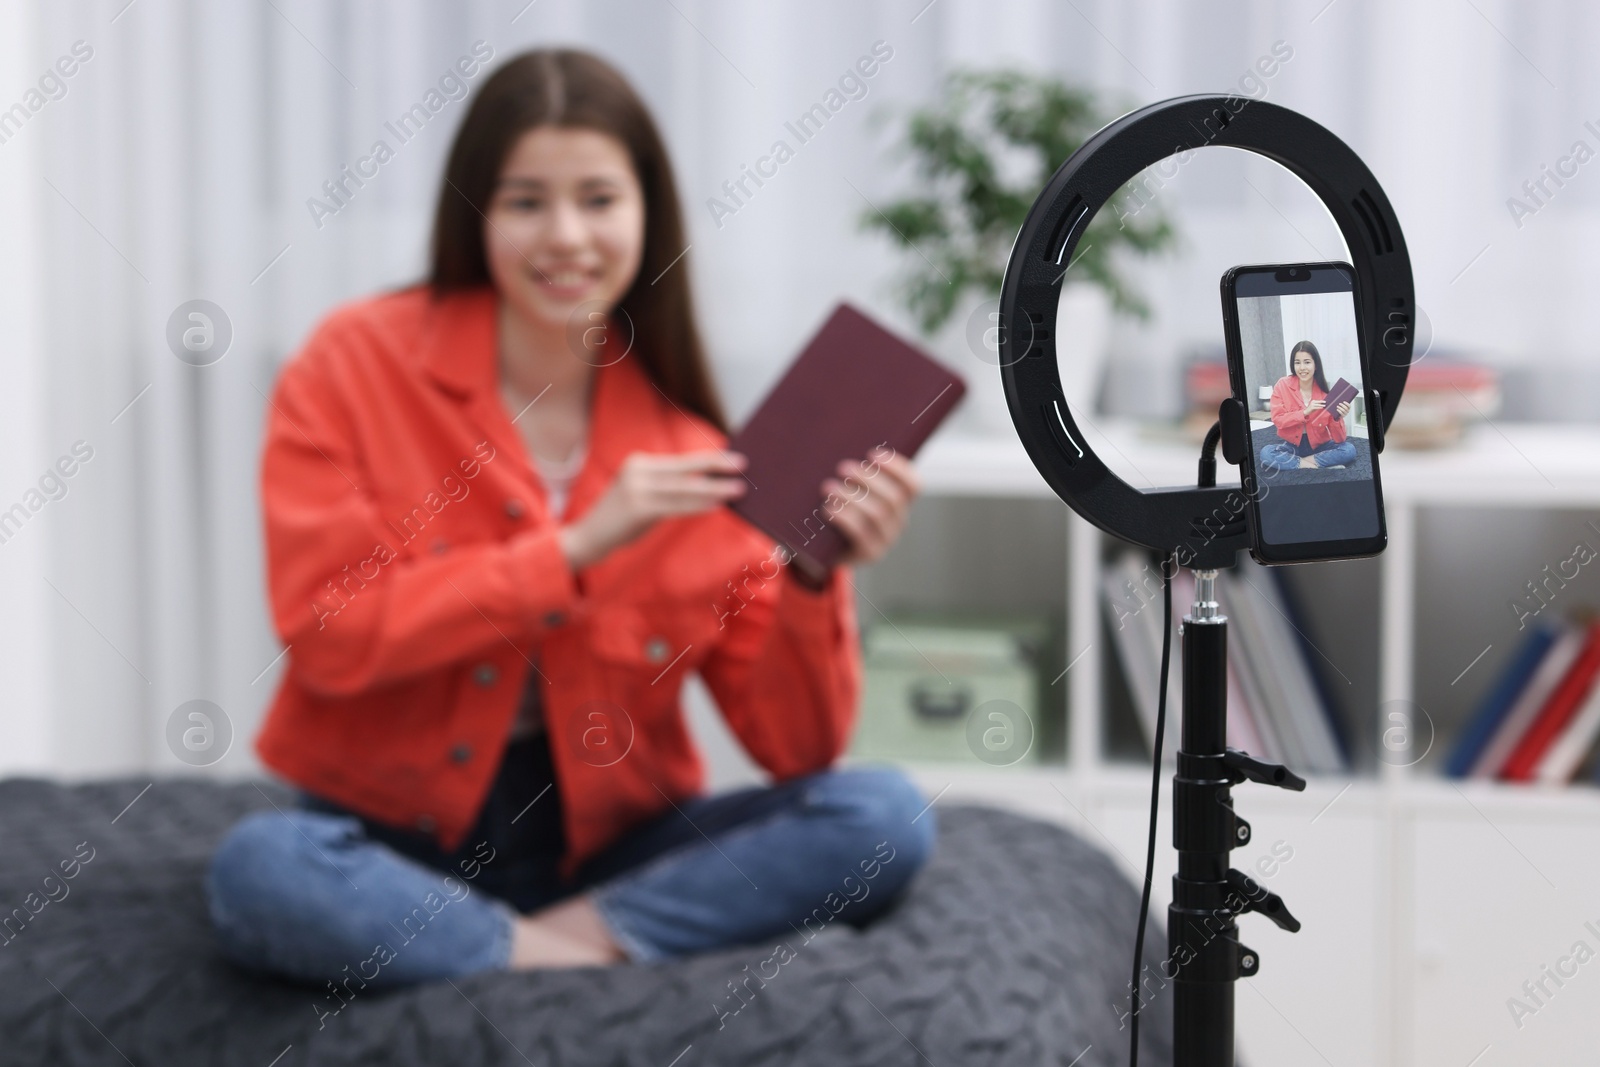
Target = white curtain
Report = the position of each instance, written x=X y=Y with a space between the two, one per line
x=176 y=161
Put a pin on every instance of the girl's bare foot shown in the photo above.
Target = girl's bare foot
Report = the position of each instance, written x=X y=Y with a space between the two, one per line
x=568 y=934
x=1307 y=461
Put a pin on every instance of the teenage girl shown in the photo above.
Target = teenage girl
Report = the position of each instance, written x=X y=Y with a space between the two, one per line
x=1310 y=437
x=496 y=548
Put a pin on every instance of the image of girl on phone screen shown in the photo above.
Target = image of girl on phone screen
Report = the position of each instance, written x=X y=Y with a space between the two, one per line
x=1311 y=436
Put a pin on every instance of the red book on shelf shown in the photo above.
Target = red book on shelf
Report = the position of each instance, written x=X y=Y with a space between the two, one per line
x=1557 y=711
x=1206 y=384
x=1443 y=376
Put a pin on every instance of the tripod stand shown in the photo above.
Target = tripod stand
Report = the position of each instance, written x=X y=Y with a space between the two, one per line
x=1203 y=950
x=1207 y=894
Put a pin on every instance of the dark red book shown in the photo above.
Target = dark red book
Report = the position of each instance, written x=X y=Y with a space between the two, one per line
x=1341 y=391
x=1557 y=711
x=854 y=387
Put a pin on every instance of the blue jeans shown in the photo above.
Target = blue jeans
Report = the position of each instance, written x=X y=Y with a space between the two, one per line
x=1281 y=455
x=312 y=895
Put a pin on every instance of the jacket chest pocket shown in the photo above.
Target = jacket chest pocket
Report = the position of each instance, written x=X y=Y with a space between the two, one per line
x=653 y=641
x=432 y=519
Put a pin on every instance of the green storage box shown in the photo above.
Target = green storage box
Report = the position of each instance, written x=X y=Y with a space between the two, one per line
x=954 y=690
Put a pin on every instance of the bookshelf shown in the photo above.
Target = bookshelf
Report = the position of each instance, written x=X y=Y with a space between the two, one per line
x=1435 y=898
x=1500 y=472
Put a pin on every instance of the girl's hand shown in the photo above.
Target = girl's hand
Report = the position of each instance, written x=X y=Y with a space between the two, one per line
x=1343 y=408
x=1315 y=405
x=877 y=495
x=648 y=487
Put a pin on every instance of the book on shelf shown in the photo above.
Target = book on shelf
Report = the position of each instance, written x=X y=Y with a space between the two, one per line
x=1589 y=769
x=1242 y=731
x=1539 y=720
x=1558 y=710
x=1276 y=708
x=1553 y=666
x=1278 y=650
x=1131 y=589
x=1560 y=764
x=1205 y=387
x=1443 y=395
x=1322 y=696
x=1251 y=698
x=1498 y=699
x=1263 y=693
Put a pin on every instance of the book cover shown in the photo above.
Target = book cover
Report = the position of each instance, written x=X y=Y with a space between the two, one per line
x=1337 y=394
x=854 y=387
x=1242 y=732
x=1122 y=605
x=1567 y=753
x=1317 y=701
x=1589 y=769
x=1498 y=699
x=1558 y=710
x=1243 y=674
x=1515 y=723
x=1261 y=657
x=1133 y=612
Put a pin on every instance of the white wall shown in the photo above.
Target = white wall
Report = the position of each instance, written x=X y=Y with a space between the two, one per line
x=25 y=648
x=1327 y=320
x=180 y=159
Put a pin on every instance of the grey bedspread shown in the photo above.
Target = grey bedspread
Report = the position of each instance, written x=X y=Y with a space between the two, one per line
x=1012 y=948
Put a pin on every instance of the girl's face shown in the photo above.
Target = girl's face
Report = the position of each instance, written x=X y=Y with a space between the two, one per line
x=565 y=224
x=1304 y=365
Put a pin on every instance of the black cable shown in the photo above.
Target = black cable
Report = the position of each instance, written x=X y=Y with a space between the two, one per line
x=1208 y=456
x=1167 y=563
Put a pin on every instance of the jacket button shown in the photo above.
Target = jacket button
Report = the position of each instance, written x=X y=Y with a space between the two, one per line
x=425 y=824
x=486 y=674
x=515 y=509
x=440 y=546
x=554 y=618
x=461 y=753
x=656 y=649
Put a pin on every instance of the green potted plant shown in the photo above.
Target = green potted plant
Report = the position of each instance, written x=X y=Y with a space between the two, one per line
x=982 y=151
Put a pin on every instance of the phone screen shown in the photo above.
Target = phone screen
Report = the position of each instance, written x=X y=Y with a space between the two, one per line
x=1296 y=351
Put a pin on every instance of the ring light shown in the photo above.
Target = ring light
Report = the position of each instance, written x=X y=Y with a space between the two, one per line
x=1186 y=519
x=1202 y=526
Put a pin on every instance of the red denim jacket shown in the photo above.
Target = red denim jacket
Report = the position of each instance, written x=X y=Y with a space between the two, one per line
x=416 y=578
x=1288 y=407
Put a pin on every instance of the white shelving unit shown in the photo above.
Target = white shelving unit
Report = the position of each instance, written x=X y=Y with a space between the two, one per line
x=1426 y=902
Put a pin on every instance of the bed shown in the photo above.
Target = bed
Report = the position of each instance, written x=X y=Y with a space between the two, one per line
x=1013 y=947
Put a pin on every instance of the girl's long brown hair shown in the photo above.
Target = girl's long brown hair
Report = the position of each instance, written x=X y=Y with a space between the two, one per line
x=565 y=87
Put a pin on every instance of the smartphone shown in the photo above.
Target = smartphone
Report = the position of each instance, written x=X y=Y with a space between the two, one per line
x=1297 y=363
